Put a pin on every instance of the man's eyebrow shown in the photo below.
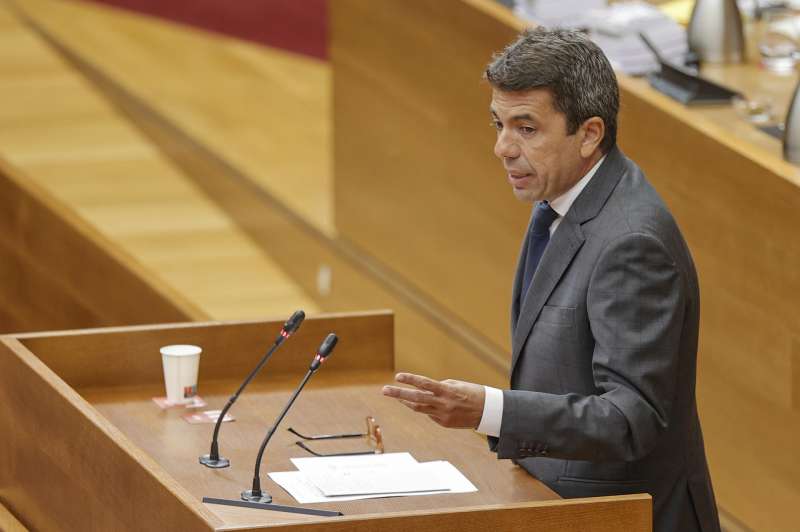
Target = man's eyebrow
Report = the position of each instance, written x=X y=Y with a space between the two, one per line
x=524 y=116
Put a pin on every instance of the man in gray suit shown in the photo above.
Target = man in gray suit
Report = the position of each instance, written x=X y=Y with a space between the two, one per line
x=605 y=306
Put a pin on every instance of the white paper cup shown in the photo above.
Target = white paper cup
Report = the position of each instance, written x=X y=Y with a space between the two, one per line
x=180 y=372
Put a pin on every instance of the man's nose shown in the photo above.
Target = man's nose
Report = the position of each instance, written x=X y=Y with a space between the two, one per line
x=505 y=147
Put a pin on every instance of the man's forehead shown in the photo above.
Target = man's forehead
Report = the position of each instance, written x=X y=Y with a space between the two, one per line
x=520 y=102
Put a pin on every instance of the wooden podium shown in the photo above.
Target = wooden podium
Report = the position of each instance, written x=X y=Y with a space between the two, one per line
x=84 y=447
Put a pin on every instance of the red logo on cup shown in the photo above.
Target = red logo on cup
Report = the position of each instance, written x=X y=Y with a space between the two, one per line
x=189 y=391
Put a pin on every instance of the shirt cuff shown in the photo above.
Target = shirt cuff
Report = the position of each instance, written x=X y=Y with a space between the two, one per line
x=492 y=416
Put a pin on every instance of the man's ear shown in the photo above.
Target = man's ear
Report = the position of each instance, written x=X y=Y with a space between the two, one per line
x=593 y=131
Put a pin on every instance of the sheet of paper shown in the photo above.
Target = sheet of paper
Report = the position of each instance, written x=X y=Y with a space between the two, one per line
x=348 y=463
x=300 y=485
x=380 y=480
x=304 y=491
x=456 y=481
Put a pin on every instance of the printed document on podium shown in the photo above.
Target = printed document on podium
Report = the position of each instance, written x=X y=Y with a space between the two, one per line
x=331 y=479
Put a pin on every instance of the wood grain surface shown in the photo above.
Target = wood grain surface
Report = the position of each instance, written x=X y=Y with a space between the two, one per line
x=65 y=467
x=62 y=273
x=129 y=356
x=631 y=513
x=331 y=403
x=267 y=109
x=9 y=523
x=428 y=339
x=68 y=140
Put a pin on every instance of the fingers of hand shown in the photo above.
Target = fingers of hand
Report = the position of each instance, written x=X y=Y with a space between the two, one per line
x=417 y=407
x=407 y=394
x=436 y=419
x=421 y=382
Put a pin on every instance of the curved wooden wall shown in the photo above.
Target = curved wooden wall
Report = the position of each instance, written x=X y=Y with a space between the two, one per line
x=57 y=272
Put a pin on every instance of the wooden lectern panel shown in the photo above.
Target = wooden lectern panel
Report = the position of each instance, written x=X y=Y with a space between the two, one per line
x=88 y=449
x=627 y=513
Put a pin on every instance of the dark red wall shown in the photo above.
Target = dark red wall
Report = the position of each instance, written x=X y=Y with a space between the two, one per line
x=296 y=25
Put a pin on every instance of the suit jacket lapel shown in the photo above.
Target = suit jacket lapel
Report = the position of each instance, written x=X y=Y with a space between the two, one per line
x=517 y=287
x=564 y=244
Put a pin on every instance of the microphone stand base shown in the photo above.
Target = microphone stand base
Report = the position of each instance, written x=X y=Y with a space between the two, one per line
x=262 y=497
x=217 y=463
x=272 y=507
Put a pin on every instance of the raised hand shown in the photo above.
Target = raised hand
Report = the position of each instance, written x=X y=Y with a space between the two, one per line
x=450 y=403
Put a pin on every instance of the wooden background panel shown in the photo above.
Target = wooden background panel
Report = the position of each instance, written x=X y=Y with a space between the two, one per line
x=752 y=448
x=429 y=340
x=413 y=157
x=57 y=126
x=266 y=108
x=130 y=356
x=58 y=272
x=63 y=467
x=740 y=222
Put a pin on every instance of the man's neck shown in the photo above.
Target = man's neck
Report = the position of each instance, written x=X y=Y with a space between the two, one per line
x=564 y=201
x=590 y=162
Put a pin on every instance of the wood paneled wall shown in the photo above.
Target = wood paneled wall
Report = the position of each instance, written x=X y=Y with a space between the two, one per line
x=427 y=340
x=418 y=187
x=416 y=183
x=56 y=272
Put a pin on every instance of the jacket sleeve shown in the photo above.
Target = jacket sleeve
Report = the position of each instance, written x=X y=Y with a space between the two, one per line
x=636 y=304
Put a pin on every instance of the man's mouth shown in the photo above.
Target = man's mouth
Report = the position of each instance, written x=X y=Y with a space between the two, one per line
x=518 y=179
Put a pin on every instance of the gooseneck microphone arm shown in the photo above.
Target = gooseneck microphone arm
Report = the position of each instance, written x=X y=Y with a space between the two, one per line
x=256 y=494
x=213 y=459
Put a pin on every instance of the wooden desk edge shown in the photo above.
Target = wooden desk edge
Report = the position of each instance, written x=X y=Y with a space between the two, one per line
x=8 y=522
x=188 y=325
x=640 y=515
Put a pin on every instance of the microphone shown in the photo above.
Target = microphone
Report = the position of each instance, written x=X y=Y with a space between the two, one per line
x=213 y=459
x=256 y=494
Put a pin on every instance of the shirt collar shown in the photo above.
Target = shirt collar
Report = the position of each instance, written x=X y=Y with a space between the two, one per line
x=562 y=203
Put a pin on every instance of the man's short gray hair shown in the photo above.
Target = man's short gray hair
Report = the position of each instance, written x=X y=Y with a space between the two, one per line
x=573 y=68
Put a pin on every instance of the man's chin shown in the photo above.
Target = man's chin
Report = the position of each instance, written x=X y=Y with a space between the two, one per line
x=525 y=195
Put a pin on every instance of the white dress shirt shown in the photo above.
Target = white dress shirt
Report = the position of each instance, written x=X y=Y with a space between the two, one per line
x=493 y=402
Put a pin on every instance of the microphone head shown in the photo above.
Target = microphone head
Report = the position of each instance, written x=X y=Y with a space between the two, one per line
x=293 y=323
x=324 y=351
x=327 y=345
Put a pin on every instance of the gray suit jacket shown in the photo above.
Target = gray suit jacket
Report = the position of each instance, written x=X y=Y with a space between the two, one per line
x=604 y=346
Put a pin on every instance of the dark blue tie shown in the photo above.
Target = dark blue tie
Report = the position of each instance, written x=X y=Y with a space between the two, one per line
x=538 y=237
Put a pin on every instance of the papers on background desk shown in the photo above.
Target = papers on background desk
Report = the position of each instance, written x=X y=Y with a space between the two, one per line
x=616 y=30
x=556 y=13
x=346 y=478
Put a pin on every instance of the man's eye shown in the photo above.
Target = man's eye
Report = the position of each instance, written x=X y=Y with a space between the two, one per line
x=496 y=124
x=527 y=130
